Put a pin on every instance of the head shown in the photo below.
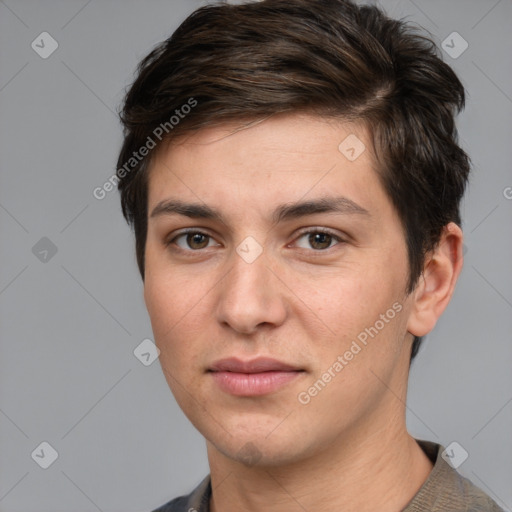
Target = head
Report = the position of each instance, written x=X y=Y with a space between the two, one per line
x=250 y=113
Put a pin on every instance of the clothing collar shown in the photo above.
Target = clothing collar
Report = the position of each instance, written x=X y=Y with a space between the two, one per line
x=444 y=490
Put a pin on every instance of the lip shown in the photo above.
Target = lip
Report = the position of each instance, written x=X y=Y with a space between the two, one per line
x=258 y=365
x=256 y=377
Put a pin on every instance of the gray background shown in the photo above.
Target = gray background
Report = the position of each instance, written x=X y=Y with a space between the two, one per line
x=69 y=323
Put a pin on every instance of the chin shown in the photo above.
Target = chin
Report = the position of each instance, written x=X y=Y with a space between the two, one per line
x=260 y=453
x=256 y=449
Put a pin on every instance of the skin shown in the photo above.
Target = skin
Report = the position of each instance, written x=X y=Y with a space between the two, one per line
x=300 y=302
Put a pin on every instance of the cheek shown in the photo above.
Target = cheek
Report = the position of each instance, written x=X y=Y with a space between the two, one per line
x=179 y=356
x=168 y=293
x=165 y=308
x=347 y=300
x=160 y=303
x=359 y=315
x=177 y=305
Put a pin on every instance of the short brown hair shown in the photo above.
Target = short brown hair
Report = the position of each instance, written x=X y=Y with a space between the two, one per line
x=327 y=57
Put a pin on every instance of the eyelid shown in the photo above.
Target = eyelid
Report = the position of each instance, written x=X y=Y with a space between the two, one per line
x=171 y=239
x=306 y=231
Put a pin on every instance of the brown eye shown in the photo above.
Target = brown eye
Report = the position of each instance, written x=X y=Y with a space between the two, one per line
x=320 y=240
x=193 y=240
x=317 y=240
x=197 y=240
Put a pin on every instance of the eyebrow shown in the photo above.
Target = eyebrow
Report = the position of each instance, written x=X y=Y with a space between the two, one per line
x=288 y=211
x=323 y=205
x=192 y=210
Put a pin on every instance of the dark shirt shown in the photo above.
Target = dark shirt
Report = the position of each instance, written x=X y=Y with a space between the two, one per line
x=445 y=490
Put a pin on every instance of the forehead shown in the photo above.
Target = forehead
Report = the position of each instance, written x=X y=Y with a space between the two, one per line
x=286 y=157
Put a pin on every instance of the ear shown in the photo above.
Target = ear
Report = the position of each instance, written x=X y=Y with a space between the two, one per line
x=437 y=282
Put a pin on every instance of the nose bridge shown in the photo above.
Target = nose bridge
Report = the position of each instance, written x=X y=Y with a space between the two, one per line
x=245 y=281
x=249 y=295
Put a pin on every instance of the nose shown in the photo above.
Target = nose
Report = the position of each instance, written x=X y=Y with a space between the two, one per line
x=250 y=296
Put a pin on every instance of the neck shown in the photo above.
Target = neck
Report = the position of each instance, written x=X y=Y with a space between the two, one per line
x=381 y=471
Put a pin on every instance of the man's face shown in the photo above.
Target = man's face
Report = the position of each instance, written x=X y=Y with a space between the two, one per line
x=260 y=271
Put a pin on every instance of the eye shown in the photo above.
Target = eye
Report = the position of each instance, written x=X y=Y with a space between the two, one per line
x=318 y=240
x=193 y=240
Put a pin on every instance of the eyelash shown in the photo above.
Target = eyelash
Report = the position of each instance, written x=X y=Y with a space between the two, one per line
x=194 y=231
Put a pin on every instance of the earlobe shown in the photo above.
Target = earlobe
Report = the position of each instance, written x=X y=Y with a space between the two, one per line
x=436 y=284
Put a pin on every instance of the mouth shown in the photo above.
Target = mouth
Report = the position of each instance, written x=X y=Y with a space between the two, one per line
x=256 y=377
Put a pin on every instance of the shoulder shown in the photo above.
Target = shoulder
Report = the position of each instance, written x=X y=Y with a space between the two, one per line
x=197 y=501
x=475 y=499
x=446 y=490
x=176 y=505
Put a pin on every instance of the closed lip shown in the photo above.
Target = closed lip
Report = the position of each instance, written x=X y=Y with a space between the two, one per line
x=258 y=365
